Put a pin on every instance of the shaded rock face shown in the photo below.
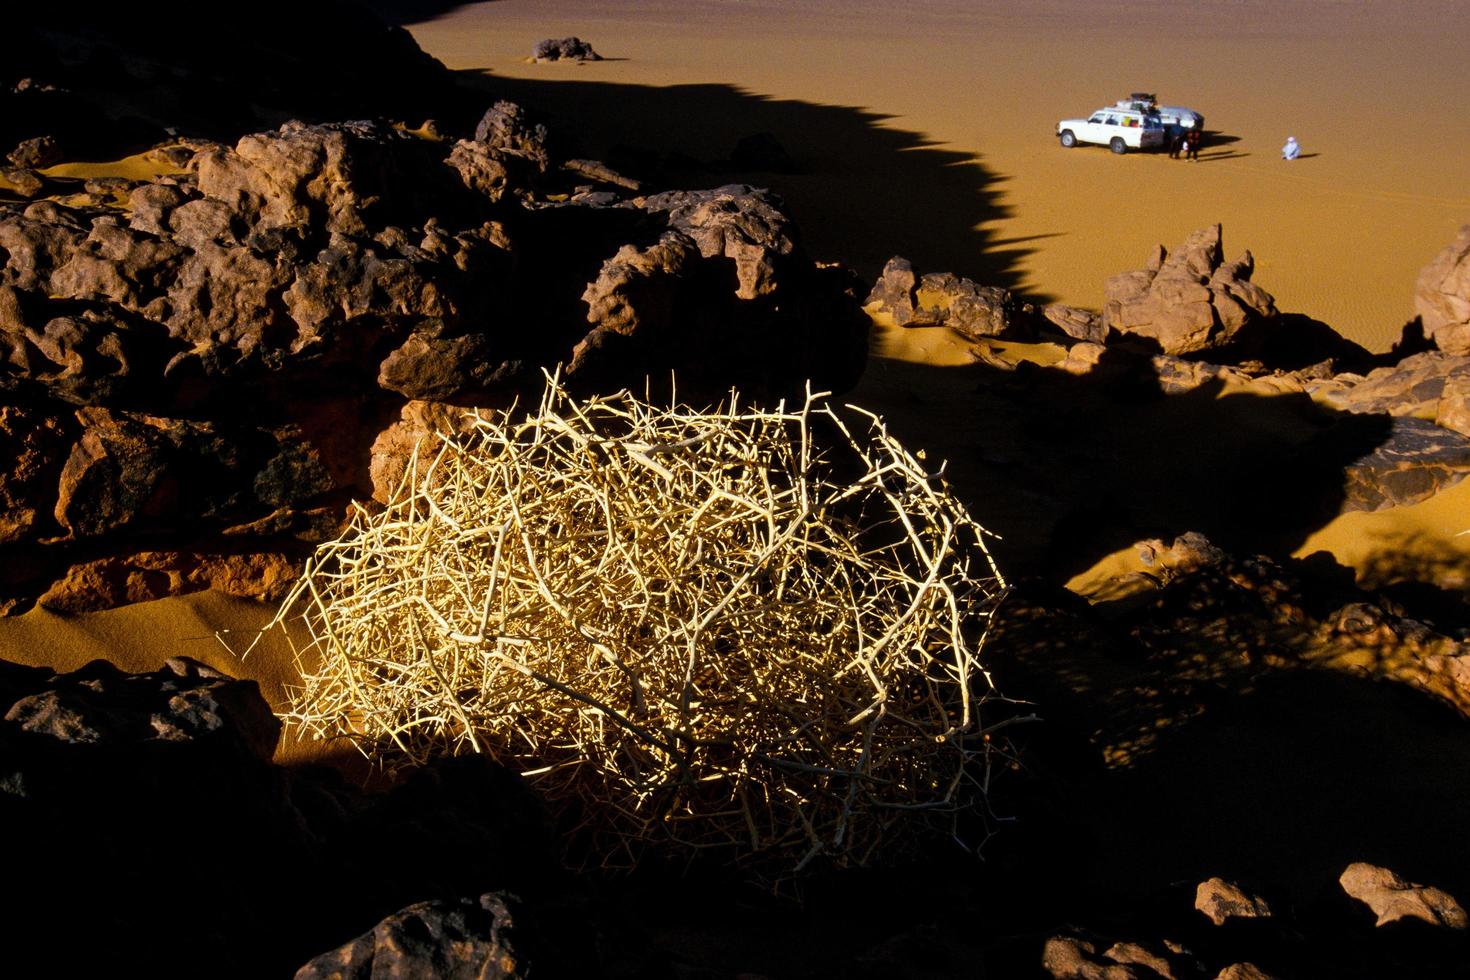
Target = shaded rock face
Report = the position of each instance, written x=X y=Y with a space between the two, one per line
x=1187 y=300
x=216 y=359
x=464 y=940
x=944 y=299
x=1442 y=296
x=132 y=789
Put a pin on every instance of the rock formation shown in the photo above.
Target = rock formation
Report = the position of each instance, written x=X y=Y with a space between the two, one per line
x=1187 y=300
x=564 y=49
x=944 y=299
x=1442 y=296
x=203 y=370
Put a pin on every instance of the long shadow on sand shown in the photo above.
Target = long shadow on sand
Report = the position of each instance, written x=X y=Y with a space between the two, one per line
x=1069 y=469
x=861 y=190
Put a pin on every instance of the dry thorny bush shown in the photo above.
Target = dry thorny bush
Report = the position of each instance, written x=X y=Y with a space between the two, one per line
x=739 y=629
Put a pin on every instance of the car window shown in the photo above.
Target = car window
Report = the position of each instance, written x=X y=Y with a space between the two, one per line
x=1096 y=119
x=1111 y=120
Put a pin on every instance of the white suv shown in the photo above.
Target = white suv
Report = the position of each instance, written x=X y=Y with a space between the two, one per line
x=1118 y=128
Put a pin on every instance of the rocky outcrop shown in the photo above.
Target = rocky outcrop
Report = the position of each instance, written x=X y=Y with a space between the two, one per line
x=564 y=49
x=944 y=299
x=1442 y=296
x=1393 y=899
x=464 y=940
x=1431 y=385
x=1187 y=300
x=1416 y=460
x=217 y=360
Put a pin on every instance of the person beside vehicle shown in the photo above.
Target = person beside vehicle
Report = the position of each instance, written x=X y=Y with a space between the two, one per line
x=1192 y=139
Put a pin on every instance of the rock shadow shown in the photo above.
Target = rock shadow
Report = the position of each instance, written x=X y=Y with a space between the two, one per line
x=1069 y=469
x=861 y=190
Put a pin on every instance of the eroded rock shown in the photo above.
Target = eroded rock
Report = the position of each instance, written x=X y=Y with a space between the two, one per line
x=1223 y=900
x=1187 y=300
x=1392 y=898
x=1442 y=296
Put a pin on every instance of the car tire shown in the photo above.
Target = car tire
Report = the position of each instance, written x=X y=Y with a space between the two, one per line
x=1117 y=145
x=1068 y=138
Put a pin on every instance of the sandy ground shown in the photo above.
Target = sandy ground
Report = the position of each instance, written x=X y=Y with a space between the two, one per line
x=928 y=129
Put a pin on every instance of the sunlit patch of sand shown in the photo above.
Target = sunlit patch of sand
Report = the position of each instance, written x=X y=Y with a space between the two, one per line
x=148 y=165
x=210 y=627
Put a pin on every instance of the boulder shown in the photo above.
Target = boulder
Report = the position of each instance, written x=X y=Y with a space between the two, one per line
x=893 y=293
x=969 y=309
x=1222 y=900
x=506 y=127
x=1392 y=898
x=1416 y=460
x=463 y=940
x=35 y=446
x=1076 y=323
x=24 y=182
x=1442 y=296
x=1188 y=300
x=37 y=153
x=736 y=222
x=563 y=49
x=942 y=299
x=1415 y=386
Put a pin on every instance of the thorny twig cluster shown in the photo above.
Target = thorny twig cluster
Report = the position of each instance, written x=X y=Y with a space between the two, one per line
x=695 y=626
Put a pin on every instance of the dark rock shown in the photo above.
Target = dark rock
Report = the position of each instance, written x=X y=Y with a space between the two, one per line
x=969 y=309
x=505 y=127
x=564 y=49
x=35 y=446
x=1189 y=300
x=24 y=182
x=36 y=154
x=1392 y=898
x=1076 y=323
x=893 y=293
x=1442 y=296
x=1417 y=460
x=1415 y=386
x=943 y=299
x=464 y=940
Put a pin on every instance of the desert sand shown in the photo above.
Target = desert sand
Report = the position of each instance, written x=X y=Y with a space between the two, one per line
x=927 y=130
